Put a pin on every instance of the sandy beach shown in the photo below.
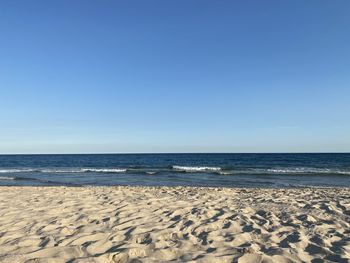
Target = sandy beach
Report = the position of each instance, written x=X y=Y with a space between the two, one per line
x=161 y=224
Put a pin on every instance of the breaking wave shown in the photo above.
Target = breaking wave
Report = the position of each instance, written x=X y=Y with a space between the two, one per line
x=285 y=171
x=196 y=168
x=182 y=169
x=307 y=170
x=64 y=170
x=103 y=170
x=7 y=171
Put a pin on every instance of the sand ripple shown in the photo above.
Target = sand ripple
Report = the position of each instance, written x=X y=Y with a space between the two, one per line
x=160 y=224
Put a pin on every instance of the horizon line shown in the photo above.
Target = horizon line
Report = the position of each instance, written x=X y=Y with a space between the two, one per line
x=125 y=153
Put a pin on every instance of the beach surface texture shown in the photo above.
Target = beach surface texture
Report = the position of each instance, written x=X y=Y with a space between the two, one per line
x=179 y=224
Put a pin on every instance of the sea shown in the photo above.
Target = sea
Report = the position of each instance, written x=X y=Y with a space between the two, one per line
x=207 y=170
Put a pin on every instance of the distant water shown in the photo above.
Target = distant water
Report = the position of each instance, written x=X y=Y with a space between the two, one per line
x=229 y=170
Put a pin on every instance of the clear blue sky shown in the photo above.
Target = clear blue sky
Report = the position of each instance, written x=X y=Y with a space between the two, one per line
x=174 y=76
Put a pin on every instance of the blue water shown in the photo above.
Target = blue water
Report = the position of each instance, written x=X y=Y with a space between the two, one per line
x=229 y=170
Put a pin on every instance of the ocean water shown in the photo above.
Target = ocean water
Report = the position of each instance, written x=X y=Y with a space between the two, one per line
x=228 y=170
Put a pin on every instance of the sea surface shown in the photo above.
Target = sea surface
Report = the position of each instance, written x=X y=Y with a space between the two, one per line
x=228 y=170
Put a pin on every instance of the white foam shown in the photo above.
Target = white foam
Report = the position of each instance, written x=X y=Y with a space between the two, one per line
x=104 y=170
x=196 y=168
x=343 y=172
x=301 y=170
x=6 y=171
x=226 y=172
x=53 y=170
x=6 y=178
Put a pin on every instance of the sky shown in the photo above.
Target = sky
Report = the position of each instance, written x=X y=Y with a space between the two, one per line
x=174 y=76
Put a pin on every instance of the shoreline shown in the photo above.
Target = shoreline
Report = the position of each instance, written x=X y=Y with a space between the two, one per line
x=157 y=223
x=180 y=187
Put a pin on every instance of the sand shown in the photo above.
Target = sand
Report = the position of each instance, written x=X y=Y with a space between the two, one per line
x=161 y=224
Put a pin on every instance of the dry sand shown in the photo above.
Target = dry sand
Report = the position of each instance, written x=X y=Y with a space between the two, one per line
x=161 y=224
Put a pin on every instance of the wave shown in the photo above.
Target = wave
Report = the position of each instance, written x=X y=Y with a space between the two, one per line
x=57 y=170
x=7 y=178
x=151 y=172
x=307 y=170
x=227 y=172
x=9 y=170
x=285 y=171
x=63 y=170
x=103 y=170
x=192 y=169
x=40 y=180
x=182 y=169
